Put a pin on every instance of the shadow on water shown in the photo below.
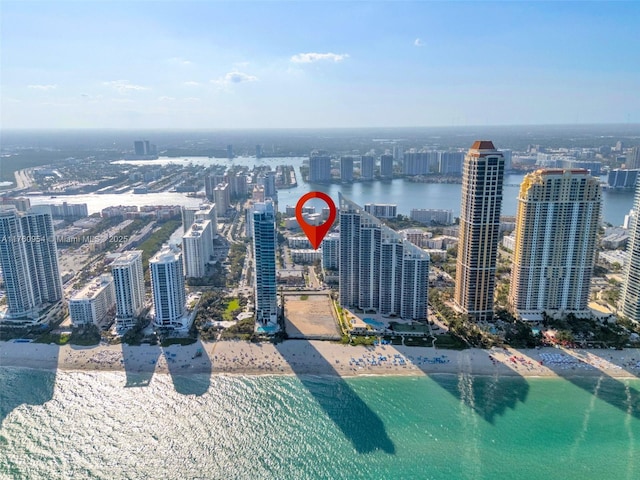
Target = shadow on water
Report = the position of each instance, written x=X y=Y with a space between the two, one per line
x=183 y=362
x=28 y=386
x=603 y=386
x=488 y=396
x=343 y=406
x=140 y=363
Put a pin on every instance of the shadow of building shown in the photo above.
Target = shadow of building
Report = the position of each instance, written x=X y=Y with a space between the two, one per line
x=358 y=423
x=139 y=362
x=189 y=367
x=28 y=386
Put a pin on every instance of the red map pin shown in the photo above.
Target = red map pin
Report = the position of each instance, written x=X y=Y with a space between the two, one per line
x=316 y=234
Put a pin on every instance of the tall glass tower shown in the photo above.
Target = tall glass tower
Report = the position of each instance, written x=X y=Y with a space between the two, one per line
x=482 y=178
x=264 y=254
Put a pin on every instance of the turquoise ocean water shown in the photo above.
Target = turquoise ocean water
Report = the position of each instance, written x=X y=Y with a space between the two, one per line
x=114 y=425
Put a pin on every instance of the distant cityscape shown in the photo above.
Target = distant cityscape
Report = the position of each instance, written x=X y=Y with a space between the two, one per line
x=154 y=271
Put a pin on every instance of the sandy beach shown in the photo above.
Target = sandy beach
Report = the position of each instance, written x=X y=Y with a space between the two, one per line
x=321 y=358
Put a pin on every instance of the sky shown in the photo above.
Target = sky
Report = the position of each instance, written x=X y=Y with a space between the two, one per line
x=218 y=65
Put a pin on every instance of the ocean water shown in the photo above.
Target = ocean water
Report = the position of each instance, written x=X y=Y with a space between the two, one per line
x=93 y=425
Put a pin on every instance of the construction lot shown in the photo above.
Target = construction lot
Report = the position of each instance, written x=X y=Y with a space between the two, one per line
x=310 y=315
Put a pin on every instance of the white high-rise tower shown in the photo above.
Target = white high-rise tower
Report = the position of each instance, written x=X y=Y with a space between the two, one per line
x=128 y=280
x=29 y=260
x=167 y=285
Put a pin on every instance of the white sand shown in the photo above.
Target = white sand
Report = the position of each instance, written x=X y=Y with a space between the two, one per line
x=323 y=358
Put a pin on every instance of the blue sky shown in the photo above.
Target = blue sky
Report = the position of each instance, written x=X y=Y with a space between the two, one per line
x=144 y=64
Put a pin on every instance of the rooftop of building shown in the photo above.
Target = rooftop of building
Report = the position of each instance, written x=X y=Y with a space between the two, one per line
x=196 y=229
x=93 y=288
x=167 y=254
x=127 y=257
x=483 y=145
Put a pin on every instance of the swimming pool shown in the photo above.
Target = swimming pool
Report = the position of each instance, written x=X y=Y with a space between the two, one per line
x=373 y=323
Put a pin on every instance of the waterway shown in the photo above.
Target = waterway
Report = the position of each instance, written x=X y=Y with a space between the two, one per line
x=407 y=195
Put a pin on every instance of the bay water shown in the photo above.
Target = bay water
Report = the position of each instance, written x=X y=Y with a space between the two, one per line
x=403 y=192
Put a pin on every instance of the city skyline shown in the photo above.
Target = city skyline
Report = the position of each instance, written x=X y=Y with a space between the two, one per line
x=371 y=64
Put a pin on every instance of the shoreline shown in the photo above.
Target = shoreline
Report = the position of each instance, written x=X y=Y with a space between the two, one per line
x=322 y=358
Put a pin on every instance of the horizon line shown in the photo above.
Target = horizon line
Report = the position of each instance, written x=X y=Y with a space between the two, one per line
x=200 y=129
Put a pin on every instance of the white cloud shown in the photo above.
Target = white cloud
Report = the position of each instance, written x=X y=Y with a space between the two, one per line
x=191 y=83
x=316 y=57
x=419 y=42
x=123 y=86
x=235 y=77
x=180 y=61
x=165 y=98
x=42 y=87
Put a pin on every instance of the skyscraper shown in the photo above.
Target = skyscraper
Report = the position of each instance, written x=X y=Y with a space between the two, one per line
x=379 y=269
x=331 y=251
x=197 y=248
x=631 y=286
x=268 y=181
x=222 y=198
x=128 y=280
x=633 y=160
x=264 y=254
x=15 y=268
x=319 y=168
x=555 y=242
x=479 y=230
x=42 y=254
x=386 y=166
x=346 y=169
x=366 y=167
x=29 y=260
x=167 y=287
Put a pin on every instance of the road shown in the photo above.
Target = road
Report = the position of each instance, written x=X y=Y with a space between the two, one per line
x=24 y=179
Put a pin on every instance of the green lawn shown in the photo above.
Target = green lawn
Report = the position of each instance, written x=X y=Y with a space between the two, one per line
x=57 y=338
x=232 y=306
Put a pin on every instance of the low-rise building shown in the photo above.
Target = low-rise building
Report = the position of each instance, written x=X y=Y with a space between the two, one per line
x=432 y=216
x=95 y=303
x=305 y=256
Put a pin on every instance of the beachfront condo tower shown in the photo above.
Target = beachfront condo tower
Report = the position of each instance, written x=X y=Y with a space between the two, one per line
x=264 y=254
x=555 y=242
x=167 y=287
x=631 y=286
x=482 y=177
x=197 y=248
x=29 y=260
x=379 y=270
x=128 y=281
